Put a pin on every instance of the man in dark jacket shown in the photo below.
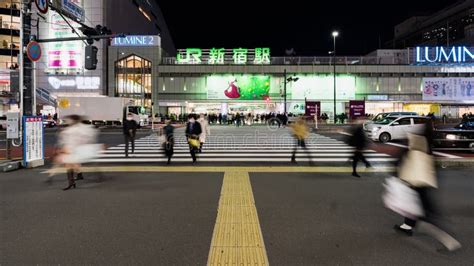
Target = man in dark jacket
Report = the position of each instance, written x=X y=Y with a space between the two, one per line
x=193 y=130
x=358 y=140
x=168 y=145
x=129 y=130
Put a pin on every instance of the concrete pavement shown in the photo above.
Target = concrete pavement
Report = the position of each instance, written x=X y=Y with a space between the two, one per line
x=168 y=218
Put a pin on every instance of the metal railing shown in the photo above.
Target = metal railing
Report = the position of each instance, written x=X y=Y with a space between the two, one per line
x=327 y=60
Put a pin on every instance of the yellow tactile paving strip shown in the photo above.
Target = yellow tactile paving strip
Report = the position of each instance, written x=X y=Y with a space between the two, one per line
x=237 y=238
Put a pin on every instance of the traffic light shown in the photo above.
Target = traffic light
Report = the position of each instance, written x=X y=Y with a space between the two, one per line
x=91 y=57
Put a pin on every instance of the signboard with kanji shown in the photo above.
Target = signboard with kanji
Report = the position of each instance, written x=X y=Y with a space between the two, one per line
x=221 y=56
x=33 y=145
x=313 y=108
x=357 y=109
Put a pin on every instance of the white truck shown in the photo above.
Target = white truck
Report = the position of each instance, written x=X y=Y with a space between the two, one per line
x=101 y=110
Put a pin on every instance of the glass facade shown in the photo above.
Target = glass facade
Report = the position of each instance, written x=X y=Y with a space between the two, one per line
x=133 y=79
x=9 y=33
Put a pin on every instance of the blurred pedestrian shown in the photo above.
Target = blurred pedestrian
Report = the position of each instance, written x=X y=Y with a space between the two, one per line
x=417 y=169
x=129 y=130
x=358 y=140
x=206 y=130
x=193 y=130
x=300 y=132
x=77 y=144
x=168 y=144
x=238 y=119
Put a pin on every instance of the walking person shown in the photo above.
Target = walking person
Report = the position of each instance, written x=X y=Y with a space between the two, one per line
x=129 y=130
x=168 y=144
x=77 y=145
x=193 y=130
x=206 y=130
x=358 y=140
x=300 y=132
x=237 y=119
x=417 y=169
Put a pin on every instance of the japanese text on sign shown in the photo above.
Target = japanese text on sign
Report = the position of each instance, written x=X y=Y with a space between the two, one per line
x=220 y=56
x=33 y=138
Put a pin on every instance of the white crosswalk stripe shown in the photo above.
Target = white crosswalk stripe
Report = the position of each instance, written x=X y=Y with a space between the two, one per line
x=241 y=145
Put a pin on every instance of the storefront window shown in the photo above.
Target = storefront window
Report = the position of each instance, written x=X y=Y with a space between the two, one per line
x=133 y=79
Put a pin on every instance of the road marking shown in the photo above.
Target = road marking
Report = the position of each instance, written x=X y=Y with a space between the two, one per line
x=247 y=155
x=237 y=237
x=213 y=169
x=345 y=133
x=406 y=147
x=234 y=160
x=436 y=152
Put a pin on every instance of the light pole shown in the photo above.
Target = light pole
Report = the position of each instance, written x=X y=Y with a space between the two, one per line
x=284 y=92
x=334 y=35
x=286 y=81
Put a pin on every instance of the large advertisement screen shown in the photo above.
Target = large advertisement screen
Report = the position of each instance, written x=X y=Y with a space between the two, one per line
x=321 y=87
x=448 y=89
x=64 y=56
x=238 y=87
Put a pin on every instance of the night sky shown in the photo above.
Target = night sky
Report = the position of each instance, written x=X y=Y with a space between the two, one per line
x=297 y=24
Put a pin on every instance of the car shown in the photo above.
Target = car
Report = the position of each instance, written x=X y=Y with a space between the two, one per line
x=3 y=122
x=381 y=116
x=395 y=128
x=49 y=123
x=461 y=137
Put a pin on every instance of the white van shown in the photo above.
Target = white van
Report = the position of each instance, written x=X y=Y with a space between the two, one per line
x=395 y=127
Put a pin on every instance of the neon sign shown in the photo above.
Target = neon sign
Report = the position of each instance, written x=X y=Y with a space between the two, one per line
x=220 y=56
x=444 y=55
x=81 y=83
x=136 y=40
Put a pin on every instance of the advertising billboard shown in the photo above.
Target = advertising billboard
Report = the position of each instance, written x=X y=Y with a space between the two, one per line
x=448 y=89
x=313 y=108
x=238 y=87
x=321 y=87
x=64 y=56
x=357 y=109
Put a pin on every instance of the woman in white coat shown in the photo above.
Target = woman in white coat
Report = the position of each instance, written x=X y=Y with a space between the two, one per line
x=77 y=145
x=206 y=130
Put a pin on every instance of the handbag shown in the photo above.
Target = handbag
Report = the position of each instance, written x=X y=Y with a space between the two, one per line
x=194 y=143
x=162 y=139
x=418 y=169
x=402 y=199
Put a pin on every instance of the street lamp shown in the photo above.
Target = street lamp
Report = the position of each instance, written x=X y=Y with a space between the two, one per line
x=334 y=35
x=286 y=81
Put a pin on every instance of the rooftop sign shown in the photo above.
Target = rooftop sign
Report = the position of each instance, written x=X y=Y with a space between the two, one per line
x=221 y=56
x=444 y=55
x=136 y=40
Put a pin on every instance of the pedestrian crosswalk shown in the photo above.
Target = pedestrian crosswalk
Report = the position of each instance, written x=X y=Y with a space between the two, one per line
x=241 y=145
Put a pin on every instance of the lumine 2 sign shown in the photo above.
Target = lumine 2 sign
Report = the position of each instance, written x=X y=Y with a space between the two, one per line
x=444 y=55
x=220 y=56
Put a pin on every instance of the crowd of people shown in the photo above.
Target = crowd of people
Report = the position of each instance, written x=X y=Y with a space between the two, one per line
x=233 y=118
x=409 y=194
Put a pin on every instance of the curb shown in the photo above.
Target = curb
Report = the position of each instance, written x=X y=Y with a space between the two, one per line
x=8 y=166
x=455 y=162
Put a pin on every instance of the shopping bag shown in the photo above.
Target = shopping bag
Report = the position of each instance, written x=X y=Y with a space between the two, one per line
x=162 y=139
x=194 y=143
x=402 y=199
x=82 y=154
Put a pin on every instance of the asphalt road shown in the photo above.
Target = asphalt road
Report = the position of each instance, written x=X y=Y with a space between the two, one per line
x=168 y=218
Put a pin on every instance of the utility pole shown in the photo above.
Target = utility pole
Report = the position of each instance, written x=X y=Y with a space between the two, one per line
x=284 y=90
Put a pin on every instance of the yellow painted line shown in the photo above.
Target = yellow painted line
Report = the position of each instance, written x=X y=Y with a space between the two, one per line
x=220 y=169
x=237 y=237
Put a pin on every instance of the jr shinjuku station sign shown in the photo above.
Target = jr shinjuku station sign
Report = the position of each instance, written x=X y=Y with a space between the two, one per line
x=220 y=56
